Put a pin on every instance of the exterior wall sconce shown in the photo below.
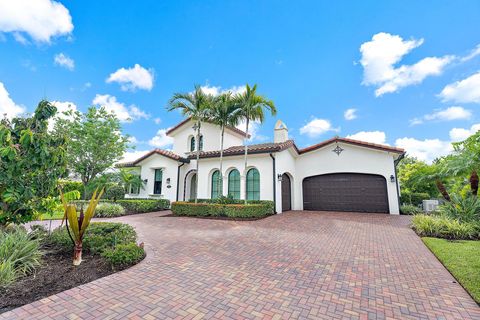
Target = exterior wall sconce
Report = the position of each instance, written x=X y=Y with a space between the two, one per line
x=279 y=177
x=145 y=180
x=392 y=178
x=168 y=183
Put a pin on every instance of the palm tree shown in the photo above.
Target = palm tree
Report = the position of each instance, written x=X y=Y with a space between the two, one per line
x=224 y=112
x=194 y=105
x=130 y=180
x=252 y=108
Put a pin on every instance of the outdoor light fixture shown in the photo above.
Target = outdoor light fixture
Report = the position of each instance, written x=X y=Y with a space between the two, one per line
x=145 y=181
x=392 y=178
x=279 y=177
x=168 y=183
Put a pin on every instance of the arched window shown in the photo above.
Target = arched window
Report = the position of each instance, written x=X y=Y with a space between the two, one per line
x=201 y=143
x=192 y=144
x=253 y=184
x=216 y=185
x=234 y=184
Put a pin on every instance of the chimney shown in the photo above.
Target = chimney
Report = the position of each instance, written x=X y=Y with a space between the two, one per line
x=280 y=132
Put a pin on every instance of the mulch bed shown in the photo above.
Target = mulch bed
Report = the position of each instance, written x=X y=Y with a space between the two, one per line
x=214 y=218
x=56 y=274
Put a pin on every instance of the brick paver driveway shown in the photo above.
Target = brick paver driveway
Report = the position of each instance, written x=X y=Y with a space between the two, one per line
x=295 y=265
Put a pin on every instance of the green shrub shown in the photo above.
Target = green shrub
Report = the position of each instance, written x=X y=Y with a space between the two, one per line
x=98 y=237
x=144 y=205
x=463 y=209
x=251 y=210
x=19 y=254
x=69 y=185
x=410 y=209
x=414 y=198
x=109 y=210
x=124 y=255
x=115 y=192
x=445 y=227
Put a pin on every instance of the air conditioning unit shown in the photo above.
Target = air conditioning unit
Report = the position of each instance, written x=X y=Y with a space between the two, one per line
x=430 y=205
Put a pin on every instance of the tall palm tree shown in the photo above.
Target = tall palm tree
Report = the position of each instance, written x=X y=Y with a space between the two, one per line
x=224 y=112
x=194 y=105
x=252 y=108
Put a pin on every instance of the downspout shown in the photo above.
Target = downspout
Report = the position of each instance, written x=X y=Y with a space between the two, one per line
x=274 y=185
x=178 y=178
x=395 y=164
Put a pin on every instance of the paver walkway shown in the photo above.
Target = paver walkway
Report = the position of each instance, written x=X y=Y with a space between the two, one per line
x=313 y=265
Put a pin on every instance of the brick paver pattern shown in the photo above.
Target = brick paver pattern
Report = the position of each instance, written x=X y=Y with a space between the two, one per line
x=310 y=265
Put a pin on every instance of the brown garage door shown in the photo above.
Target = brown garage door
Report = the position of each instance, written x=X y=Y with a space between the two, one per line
x=346 y=192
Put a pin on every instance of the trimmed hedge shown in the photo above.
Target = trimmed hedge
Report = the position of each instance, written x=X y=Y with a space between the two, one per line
x=109 y=210
x=414 y=198
x=235 y=211
x=124 y=255
x=410 y=209
x=133 y=206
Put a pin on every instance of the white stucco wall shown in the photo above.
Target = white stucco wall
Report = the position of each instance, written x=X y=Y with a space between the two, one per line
x=211 y=138
x=147 y=171
x=353 y=159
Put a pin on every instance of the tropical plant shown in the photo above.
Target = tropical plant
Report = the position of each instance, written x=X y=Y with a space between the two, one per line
x=109 y=210
x=410 y=170
x=224 y=112
x=463 y=209
x=194 y=105
x=434 y=172
x=31 y=162
x=252 y=108
x=79 y=223
x=19 y=254
x=94 y=142
x=130 y=179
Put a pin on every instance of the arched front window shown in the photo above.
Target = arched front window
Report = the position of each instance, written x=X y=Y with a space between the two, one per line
x=234 y=184
x=216 y=185
x=192 y=144
x=201 y=143
x=253 y=184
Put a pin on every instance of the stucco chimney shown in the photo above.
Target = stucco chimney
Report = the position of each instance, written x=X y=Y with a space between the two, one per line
x=280 y=132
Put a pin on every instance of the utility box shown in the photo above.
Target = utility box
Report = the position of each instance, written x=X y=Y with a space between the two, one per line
x=430 y=205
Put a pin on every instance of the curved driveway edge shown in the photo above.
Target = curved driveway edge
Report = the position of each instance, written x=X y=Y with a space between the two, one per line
x=313 y=265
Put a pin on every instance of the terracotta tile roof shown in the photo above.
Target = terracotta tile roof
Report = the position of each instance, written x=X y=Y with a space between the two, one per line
x=162 y=152
x=252 y=149
x=352 y=142
x=236 y=130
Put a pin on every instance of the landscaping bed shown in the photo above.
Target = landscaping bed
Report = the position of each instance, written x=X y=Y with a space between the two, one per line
x=46 y=268
x=462 y=259
x=227 y=211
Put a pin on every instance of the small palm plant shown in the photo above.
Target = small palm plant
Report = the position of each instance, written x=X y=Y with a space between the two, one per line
x=79 y=222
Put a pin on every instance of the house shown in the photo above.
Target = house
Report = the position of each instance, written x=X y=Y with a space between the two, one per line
x=338 y=174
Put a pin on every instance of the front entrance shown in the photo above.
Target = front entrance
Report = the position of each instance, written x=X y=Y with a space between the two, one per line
x=286 y=193
x=193 y=186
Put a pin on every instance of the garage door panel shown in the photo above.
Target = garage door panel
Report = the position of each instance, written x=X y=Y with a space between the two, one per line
x=346 y=192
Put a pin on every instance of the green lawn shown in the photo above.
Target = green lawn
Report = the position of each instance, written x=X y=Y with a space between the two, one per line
x=55 y=216
x=462 y=259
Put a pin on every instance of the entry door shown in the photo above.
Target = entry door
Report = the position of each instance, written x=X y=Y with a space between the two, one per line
x=193 y=186
x=286 y=193
x=346 y=192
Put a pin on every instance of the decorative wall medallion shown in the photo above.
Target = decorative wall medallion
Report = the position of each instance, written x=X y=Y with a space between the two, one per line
x=337 y=150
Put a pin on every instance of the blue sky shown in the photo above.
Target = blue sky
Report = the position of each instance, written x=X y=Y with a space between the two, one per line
x=410 y=70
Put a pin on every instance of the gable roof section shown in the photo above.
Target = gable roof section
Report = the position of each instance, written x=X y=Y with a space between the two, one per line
x=352 y=142
x=252 y=149
x=165 y=153
x=180 y=124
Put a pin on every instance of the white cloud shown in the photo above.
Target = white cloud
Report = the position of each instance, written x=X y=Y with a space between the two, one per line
x=215 y=91
x=463 y=91
x=384 y=51
x=40 y=19
x=449 y=114
x=62 y=107
x=161 y=140
x=123 y=113
x=350 y=114
x=133 y=78
x=426 y=150
x=317 y=127
x=460 y=134
x=157 y=120
x=473 y=53
x=65 y=61
x=130 y=156
x=370 y=136
x=7 y=106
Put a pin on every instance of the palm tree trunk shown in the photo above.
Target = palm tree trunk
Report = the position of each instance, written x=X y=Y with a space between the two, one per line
x=220 y=180
x=246 y=152
x=77 y=253
x=198 y=157
x=443 y=190
x=474 y=182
